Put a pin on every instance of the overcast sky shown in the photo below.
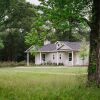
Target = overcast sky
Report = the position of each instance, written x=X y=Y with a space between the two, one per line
x=36 y=2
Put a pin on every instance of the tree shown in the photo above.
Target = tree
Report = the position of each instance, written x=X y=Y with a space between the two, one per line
x=66 y=16
x=94 y=58
x=1 y=44
x=35 y=38
x=84 y=50
x=4 y=7
x=18 y=22
x=4 y=4
x=60 y=26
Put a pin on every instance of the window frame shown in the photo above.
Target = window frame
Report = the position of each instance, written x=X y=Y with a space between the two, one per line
x=70 y=56
x=53 y=56
x=60 y=57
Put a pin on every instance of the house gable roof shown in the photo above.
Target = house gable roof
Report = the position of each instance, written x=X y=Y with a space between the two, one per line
x=48 y=48
x=32 y=48
x=64 y=47
x=75 y=46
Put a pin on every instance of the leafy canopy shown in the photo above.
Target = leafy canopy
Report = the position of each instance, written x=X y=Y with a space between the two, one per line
x=84 y=49
x=35 y=38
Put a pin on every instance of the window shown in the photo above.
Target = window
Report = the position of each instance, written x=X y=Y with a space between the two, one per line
x=60 y=56
x=70 y=56
x=53 y=57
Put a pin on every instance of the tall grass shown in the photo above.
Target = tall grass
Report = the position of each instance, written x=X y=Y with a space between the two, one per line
x=31 y=84
x=12 y=64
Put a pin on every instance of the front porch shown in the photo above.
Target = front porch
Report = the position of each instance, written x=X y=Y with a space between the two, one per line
x=64 y=58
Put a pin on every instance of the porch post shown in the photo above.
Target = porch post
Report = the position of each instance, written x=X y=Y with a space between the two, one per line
x=57 y=58
x=72 y=58
x=27 y=58
x=40 y=58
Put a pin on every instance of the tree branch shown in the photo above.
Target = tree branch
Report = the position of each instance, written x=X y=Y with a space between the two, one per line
x=87 y=21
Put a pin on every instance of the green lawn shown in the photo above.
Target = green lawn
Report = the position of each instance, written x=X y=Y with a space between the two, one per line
x=46 y=84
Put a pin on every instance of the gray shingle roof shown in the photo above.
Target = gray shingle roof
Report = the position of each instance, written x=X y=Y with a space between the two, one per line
x=52 y=47
x=48 y=47
x=73 y=45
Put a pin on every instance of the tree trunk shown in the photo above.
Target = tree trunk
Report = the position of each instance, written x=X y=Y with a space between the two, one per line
x=98 y=64
x=94 y=58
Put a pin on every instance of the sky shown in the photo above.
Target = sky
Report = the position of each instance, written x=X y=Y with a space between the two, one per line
x=36 y=2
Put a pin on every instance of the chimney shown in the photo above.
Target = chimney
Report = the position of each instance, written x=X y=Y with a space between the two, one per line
x=47 y=42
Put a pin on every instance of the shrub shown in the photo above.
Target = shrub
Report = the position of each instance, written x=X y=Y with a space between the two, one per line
x=12 y=64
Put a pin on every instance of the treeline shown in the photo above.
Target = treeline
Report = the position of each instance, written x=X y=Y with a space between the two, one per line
x=15 y=24
x=23 y=24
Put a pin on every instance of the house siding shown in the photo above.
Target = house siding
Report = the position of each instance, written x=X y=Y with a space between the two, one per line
x=66 y=61
x=64 y=58
x=50 y=58
x=37 y=59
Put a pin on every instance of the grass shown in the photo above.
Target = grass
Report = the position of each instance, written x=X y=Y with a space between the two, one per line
x=46 y=84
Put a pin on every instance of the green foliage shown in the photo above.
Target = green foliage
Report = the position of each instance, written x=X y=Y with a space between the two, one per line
x=84 y=49
x=35 y=38
x=66 y=16
x=5 y=6
x=12 y=64
x=1 y=44
x=92 y=68
x=18 y=22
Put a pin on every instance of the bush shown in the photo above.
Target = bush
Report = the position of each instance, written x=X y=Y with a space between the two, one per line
x=12 y=64
x=53 y=64
x=61 y=64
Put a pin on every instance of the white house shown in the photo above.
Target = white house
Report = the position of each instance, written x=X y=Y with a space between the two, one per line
x=61 y=52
